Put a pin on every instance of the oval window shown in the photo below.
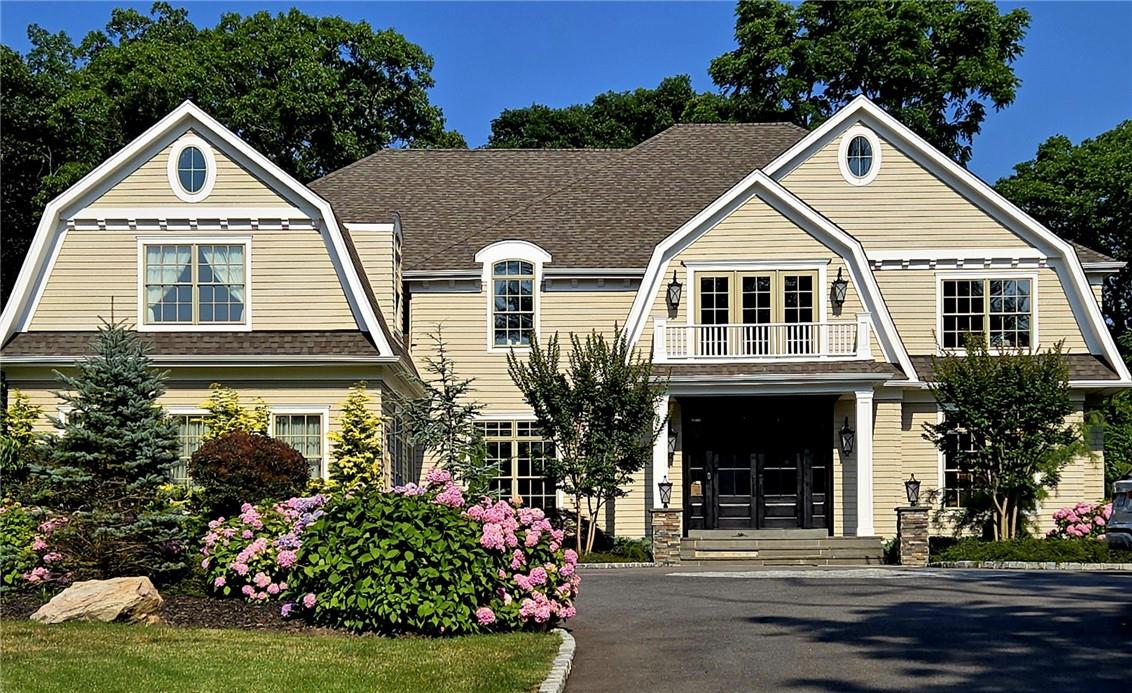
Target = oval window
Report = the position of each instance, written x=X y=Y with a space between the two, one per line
x=191 y=169
x=859 y=158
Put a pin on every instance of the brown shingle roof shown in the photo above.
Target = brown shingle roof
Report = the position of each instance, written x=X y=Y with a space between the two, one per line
x=1081 y=367
x=255 y=343
x=587 y=208
x=1087 y=254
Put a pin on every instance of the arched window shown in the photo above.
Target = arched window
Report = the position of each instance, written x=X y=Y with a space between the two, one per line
x=513 y=302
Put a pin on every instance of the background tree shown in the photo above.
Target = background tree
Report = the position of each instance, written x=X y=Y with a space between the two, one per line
x=357 y=443
x=226 y=414
x=1084 y=193
x=1012 y=406
x=443 y=422
x=311 y=93
x=112 y=457
x=1118 y=427
x=600 y=413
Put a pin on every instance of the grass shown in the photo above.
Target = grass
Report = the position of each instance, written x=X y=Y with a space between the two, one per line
x=113 y=657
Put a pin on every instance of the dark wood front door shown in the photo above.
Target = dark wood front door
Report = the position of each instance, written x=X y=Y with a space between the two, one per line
x=757 y=463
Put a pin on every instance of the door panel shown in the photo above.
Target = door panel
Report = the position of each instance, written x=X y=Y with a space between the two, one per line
x=734 y=491
x=714 y=312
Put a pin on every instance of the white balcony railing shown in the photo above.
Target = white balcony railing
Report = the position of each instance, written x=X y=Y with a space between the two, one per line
x=754 y=342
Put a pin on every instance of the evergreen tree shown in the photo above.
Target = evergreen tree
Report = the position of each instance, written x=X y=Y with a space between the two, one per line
x=357 y=442
x=115 y=449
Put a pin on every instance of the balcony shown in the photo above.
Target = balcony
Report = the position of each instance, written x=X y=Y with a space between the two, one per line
x=803 y=341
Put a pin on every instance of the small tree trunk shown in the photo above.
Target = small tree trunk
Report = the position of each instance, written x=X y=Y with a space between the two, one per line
x=591 y=531
x=578 y=525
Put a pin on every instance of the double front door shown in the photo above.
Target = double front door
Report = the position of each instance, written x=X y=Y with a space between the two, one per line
x=758 y=463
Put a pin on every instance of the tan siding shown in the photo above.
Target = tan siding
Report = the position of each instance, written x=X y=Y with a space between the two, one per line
x=844 y=474
x=294 y=284
x=1098 y=293
x=376 y=250
x=888 y=472
x=1081 y=480
x=904 y=207
x=149 y=186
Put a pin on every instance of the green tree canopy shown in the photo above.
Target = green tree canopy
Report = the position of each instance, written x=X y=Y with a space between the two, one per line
x=311 y=93
x=1084 y=193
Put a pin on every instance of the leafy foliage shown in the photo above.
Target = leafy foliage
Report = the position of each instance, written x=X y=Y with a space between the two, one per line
x=357 y=443
x=109 y=463
x=600 y=413
x=1081 y=521
x=226 y=414
x=1012 y=406
x=1084 y=193
x=443 y=421
x=241 y=467
x=17 y=435
x=311 y=93
x=1032 y=549
x=17 y=557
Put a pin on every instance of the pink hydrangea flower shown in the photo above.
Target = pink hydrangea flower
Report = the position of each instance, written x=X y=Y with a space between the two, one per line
x=286 y=559
x=219 y=582
x=285 y=610
x=485 y=616
x=309 y=600
x=273 y=589
x=39 y=545
x=438 y=477
x=247 y=590
x=261 y=580
x=451 y=496
x=240 y=569
x=37 y=574
x=52 y=557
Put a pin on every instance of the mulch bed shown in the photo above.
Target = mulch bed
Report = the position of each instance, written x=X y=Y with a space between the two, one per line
x=188 y=612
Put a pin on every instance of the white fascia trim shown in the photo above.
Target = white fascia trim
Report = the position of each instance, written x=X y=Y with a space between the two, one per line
x=964 y=254
x=443 y=274
x=510 y=250
x=378 y=228
x=506 y=416
x=33 y=270
x=186 y=411
x=142 y=326
x=974 y=189
x=253 y=360
x=194 y=212
x=789 y=205
x=1103 y=267
x=784 y=378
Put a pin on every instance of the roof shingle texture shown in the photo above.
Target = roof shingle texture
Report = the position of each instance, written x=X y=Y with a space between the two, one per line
x=587 y=208
x=255 y=343
x=1081 y=367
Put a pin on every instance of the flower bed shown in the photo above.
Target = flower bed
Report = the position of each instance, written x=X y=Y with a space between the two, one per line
x=1081 y=521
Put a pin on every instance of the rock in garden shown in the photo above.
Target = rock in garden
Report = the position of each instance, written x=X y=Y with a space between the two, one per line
x=128 y=599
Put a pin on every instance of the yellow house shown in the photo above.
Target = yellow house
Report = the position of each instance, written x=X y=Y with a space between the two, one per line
x=792 y=287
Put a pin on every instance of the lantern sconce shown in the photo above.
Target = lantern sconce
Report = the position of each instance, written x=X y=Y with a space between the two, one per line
x=838 y=291
x=847 y=436
x=672 y=439
x=665 y=488
x=675 y=289
x=912 y=489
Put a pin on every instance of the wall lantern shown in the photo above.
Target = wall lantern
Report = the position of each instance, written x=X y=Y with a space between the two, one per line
x=675 y=288
x=847 y=436
x=840 y=286
x=912 y=488
x=665 y=488
x=671 y=440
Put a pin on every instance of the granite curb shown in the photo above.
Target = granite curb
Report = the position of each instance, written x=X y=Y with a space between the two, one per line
x=1032 y=565
x=614 y=566
x=555 y=681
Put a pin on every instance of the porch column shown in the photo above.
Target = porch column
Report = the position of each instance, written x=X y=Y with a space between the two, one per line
x=660 y=452
x=864 y=450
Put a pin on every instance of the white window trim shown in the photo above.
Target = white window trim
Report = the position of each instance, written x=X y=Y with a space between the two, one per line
x=843 y=155
x=510 y=250
x=186 y=141
x=940 y=277
x=245 y=326
x=308 y=410
x=819 y=266
x=515 y=417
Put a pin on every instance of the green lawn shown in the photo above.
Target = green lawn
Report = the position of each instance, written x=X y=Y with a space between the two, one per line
x=110 y=657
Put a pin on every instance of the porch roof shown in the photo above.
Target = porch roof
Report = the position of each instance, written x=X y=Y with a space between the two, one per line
x=27 y=346
x=1081 y=367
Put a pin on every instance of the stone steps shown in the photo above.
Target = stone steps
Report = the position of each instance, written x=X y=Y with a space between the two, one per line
x=786 y=547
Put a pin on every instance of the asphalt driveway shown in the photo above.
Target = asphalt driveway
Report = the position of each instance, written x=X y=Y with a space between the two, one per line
x=674 y=629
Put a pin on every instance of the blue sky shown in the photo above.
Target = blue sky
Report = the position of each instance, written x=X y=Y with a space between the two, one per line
x=490 y=56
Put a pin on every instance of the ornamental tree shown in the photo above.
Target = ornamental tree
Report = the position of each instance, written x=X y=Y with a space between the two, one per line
x=600 y=413
x=1012 y=405
x=443 y=422
x=357 y=443
x=106 y=470
x=226 y=414
x=17 y=433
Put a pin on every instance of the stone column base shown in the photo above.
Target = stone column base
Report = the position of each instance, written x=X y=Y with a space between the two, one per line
x=666 y=535
x=912 y=535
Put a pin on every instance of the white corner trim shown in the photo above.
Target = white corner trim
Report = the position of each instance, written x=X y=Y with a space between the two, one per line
x=190 y=140
x=843 y=155
x=510 y=250
x=1098 y=337
x=16 y=314
x=142 y=326
x=792 y=207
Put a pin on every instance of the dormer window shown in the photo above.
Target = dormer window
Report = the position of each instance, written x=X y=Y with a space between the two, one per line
x=513 y=296
x=194 y=283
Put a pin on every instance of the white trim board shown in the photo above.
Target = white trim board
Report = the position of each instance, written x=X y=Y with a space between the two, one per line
x=758 y=184
x=862 y=110
x=48 y=236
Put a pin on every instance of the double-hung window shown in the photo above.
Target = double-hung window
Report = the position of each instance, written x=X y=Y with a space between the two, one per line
x=304 y=432
x=517 y=450
x=513 y=303
x=999 y=311
x=190 y=436
x=195 y=283
x=956 y=474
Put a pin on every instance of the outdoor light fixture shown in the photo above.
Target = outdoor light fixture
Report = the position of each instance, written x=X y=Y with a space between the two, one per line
x=912 y=488
x=840 y=285
x=675 y=288
x=665 y=492
x=671 y=440
x=847 y=436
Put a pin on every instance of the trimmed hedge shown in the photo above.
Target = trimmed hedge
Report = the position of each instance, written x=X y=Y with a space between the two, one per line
x=1033 y=549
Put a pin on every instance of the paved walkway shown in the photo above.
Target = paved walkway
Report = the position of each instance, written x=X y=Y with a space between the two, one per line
x=874 y=629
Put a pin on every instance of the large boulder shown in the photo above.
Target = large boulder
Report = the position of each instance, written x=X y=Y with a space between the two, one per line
x=128 y=599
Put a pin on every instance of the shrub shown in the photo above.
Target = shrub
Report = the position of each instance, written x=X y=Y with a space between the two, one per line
x=1081 y=521
x=17 y=436
x=253 y=553
x=357 y=443
x=1040 y=550
x=226 y=414
x=413 y=561
x=241 y=467
x=17 y=555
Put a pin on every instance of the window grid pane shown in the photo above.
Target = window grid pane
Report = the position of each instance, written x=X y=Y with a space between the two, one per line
x=956 y=475
x=1009 y=313
x=220 y=283
x=963 y=311
x=516 y=449
x=189 y=284
x=513 y=303
x=190 y=434
x=169 y=283
x=304 y=433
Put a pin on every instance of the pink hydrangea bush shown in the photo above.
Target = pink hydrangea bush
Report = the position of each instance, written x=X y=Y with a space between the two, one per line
x=46 y=569
x=1081 y=521
x=253 y=553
